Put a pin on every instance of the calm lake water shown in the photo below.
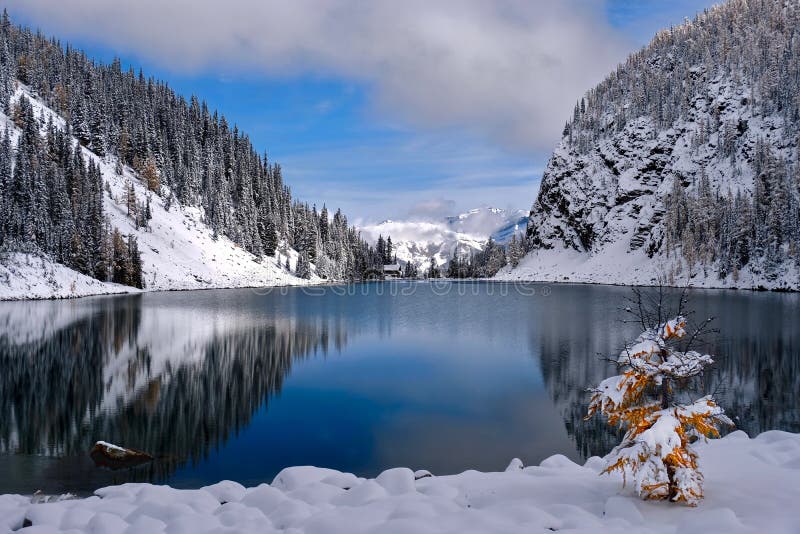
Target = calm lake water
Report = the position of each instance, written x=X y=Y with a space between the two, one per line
x=234 y=384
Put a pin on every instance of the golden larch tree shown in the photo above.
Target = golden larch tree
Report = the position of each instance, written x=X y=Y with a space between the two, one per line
x=656 y=449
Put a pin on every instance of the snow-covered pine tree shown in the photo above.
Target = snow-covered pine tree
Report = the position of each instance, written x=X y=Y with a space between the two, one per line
x=303 y=269
x=649 y=401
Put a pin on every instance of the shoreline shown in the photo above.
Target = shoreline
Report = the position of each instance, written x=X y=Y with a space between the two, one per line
x=127 y=291
x=750 y=486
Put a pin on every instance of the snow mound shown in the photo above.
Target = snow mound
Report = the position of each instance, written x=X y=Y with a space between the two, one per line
x=751 y=487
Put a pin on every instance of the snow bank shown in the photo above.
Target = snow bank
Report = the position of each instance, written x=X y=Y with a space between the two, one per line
x=617 y=265
x=751 y=486
x=23 y=276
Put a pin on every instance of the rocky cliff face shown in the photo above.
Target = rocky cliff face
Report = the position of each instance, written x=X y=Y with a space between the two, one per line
x=682 y=166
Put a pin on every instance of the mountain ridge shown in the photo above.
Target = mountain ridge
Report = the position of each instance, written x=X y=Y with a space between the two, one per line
x=178 y=251
x=681 y=168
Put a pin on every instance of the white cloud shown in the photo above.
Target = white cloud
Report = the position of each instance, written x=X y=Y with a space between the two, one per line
x=507 y=70
x=432 y=209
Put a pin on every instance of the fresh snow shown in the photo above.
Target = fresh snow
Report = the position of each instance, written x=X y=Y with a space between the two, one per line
x=178 y=250
x=751 y=487
x=617 y=265
x=108 y=445
x=23 y=276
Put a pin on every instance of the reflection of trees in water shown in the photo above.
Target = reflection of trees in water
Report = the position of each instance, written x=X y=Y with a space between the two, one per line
x=48 y=386
x=756 y=377
x=60 y=394
x=571 y=338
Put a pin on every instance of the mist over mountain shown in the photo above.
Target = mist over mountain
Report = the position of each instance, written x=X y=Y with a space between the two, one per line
x=420 y=239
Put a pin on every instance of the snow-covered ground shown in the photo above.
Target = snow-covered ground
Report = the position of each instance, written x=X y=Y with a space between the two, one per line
x=618 y=265
x=23 y=276
x=750 y=485
x=178 y=250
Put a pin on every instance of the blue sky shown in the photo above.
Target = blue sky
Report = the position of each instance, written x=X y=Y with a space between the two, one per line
x=374 y=144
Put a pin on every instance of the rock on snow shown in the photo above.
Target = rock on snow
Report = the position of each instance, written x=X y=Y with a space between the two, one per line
x=751 y=486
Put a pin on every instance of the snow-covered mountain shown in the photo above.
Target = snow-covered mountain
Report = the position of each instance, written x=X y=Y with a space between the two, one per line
x=419 y=241
x=682 y=166
x=178 y=250
x=117 y=177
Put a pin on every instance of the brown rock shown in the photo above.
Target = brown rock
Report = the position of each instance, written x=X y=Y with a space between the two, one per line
x=115 y=457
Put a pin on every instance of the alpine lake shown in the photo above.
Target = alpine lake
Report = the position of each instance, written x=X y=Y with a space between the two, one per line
x=238 y=384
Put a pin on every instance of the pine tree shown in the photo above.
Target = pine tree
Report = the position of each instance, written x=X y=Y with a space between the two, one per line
x=151 y=176
x=119 y=262
x=270 y=238
x=134 y=263
x=130 y=200
x=303 y=269
x=515 y=251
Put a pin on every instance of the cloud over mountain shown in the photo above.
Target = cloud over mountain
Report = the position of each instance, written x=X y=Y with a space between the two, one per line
x=508 y=70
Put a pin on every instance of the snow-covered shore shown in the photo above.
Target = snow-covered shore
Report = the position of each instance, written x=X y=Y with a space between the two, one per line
x=750 y=485
x=23 y=276
x=28 y=277
x=618 y=266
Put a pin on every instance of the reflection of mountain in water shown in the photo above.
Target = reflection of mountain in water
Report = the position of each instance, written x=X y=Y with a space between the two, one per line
x=135 y=377
x=756 y=377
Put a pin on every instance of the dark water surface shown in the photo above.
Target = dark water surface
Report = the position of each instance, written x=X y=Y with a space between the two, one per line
x=233 y=384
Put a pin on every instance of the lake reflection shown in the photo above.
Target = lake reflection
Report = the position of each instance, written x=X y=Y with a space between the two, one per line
x=237 y=385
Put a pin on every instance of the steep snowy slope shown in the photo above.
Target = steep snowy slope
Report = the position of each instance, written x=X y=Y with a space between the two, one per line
x=682 y=167
x=178 y=250
x=420 y=241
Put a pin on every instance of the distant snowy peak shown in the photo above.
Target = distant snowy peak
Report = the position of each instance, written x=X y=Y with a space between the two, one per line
x=419 y=242
x=682 y=166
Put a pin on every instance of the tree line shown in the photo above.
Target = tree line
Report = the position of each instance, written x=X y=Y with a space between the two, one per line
x=723 y=232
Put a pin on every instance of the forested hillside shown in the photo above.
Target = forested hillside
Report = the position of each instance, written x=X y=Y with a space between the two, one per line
x=682 y=166
x=173 y=151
